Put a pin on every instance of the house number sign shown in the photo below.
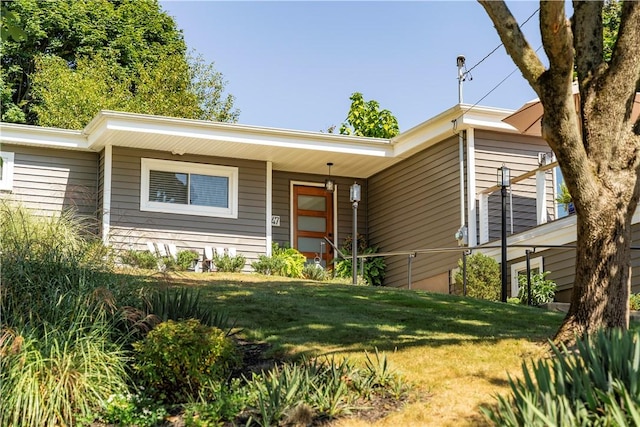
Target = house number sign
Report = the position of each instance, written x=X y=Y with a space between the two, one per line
x=275 y=220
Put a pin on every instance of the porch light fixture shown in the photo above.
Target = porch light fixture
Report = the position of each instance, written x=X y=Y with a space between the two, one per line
x=354 y=193
x=504 y=181
x=329 y=184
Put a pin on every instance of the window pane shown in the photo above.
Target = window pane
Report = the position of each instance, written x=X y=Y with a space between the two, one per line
x=312 y=223
x=168 y=187
x=312 y=203
x=309 y=244
x=210 y=191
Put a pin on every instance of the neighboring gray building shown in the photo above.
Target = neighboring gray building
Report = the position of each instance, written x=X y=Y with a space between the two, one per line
x=193 y=183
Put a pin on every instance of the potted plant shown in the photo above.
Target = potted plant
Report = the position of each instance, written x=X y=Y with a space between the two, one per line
x=565 y=199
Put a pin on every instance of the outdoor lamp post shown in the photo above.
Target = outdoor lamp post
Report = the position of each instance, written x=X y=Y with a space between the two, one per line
x=354 y=196
x=504 y=181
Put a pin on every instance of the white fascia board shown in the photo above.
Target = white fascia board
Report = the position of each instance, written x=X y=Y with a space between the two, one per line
x=449 y=123
x=230 y=132
x=42 y=137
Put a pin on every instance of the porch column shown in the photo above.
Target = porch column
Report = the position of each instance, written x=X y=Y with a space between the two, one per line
x=269 y=210
x=541 y=197
x=484 y=218
x=472 y=231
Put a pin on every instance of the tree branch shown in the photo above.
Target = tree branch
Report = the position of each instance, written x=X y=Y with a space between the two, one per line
x=514 y=42
x=588 y=41
x=623 y=75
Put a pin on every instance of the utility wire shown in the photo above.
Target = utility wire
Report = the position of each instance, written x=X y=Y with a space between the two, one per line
x=488 y=93
x=501 y=44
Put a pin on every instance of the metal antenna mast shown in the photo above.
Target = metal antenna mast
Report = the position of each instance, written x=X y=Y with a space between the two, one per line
x=461 y=76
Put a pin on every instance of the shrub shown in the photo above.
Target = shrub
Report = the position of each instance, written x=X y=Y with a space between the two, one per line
x=634 y=302
x=483 y=277
x=315 y=272
x=131 y=410
x=217 y=403
x=374 y=267
x=230 y=264
x=177 y=359
x=543 y=290
x=186 y=259
x=141 y=259
x=286 y=262
x=594 y=384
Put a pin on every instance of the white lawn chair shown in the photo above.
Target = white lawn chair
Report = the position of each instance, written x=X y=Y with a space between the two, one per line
x=207 y=261
x=151 y=248
x=173 y=251
x=162 y=250
x=219 y=251
x=231 y=252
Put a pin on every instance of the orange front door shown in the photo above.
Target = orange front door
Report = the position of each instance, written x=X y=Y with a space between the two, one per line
x=312 y=222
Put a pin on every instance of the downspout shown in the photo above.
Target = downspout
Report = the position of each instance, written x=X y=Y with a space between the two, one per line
x=461 y=137
x=106 y=193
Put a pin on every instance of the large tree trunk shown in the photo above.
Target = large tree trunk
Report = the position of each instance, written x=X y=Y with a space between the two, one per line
x=598 y=147
x=602 y=283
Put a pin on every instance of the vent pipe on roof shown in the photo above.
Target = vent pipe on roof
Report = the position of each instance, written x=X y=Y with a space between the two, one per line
x=461 y=75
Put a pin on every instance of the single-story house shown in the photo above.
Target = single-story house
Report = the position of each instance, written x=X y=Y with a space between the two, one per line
x=427 y=194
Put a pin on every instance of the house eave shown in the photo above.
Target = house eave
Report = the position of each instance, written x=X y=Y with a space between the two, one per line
x=26 y=135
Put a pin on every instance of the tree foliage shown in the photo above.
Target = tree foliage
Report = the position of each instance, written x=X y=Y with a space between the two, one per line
x=598 y=146
x=366 y=119
x=80 y=56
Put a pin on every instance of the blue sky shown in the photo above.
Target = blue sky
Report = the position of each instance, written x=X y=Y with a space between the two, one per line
x=294 y=64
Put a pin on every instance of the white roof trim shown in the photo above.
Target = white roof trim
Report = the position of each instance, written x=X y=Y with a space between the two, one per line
x=11 y=133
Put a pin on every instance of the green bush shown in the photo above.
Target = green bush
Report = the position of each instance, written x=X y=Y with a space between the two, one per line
x=315 y=272
x=186 y=259
x=634 y=302
x=286 y=262
x=141 y=259
x=374 y=267
x=597 y=383
x=177 y=359
x=543 y=290
x=230 y=264
x=131 y=410
x=483 y=277
x=217 y=403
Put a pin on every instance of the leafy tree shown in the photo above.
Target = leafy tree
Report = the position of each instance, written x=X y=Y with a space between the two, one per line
x=366 y=119
x=124 y=54
x=597 y=147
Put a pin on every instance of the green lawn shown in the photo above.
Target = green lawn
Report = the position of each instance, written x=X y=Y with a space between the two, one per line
x=458 y=352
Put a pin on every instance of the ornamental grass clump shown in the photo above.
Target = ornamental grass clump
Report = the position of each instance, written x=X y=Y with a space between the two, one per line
x=178 y=358
x=54 y=374
x=597 y=383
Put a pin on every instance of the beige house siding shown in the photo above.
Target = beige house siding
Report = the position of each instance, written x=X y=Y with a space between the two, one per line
x=50 y=181
x=132 y=228
x=415 y=204
x=520 y=155
x=282 y=205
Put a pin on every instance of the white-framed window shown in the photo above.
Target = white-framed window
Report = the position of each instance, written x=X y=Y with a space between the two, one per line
x=6 y=171
x=520 y=269
x=188 y=188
